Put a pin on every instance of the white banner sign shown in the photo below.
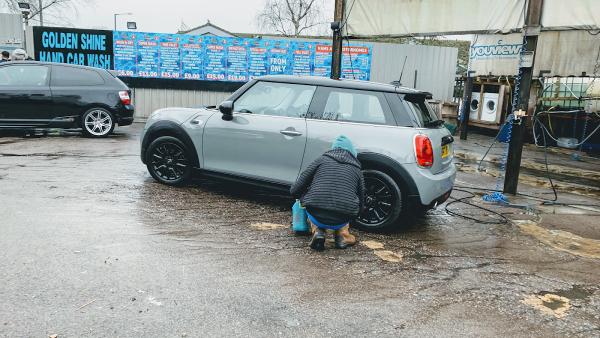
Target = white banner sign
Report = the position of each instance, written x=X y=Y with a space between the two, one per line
x=495 y=54
x=444 y=17
x=562 y=53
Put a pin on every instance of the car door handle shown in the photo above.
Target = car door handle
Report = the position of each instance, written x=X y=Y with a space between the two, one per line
x=292 y=133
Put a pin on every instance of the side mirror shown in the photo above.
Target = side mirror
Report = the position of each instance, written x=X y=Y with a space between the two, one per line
x=226 y=108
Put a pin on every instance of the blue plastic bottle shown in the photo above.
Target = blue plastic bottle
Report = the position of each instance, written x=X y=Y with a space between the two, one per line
x=299 y=221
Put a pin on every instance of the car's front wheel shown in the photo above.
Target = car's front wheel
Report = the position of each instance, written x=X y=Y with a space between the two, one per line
x=168 y=161
x=383 y=202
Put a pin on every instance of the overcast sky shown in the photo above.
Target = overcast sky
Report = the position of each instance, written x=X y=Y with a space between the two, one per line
x=166 y=16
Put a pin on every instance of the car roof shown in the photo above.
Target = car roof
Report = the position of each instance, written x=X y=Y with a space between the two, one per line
x=342 y=83
x=308 y=80
x=29 y=62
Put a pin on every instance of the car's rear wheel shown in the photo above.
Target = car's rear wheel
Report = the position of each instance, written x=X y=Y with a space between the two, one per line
x=97 y=122
x=168 y=161
x=383 y=202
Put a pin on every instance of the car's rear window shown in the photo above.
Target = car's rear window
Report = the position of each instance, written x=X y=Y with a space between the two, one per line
x=69 y=76
x=420 y=109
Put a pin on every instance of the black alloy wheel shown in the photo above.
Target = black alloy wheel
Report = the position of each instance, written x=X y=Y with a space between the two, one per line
x=383 y=202
x=168 y=161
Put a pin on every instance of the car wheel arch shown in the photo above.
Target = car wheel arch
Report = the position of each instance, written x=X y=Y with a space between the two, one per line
x=87 y=107
x=392 y=168
x=169 y=128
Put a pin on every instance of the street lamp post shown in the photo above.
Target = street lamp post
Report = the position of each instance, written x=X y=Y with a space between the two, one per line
x=117 y=14
x=25 y=11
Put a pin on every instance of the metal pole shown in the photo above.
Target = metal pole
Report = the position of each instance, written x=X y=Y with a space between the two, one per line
x=26 y=17
x=415 y=79
x=336 y=53
x=116 y=21
x=464 y=122
x=40 y=9
x=515 y=150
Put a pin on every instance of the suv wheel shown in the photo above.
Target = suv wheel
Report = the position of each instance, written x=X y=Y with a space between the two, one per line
x=97 y=122
x=383 y=202
x=168 y=161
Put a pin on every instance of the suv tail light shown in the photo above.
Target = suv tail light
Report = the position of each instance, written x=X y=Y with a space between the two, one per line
x=124 y=96
x=423 y=151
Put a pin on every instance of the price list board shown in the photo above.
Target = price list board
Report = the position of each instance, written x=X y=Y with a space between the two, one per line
x=211 y=58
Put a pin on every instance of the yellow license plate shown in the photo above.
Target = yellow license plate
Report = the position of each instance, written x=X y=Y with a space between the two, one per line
x=445 y=151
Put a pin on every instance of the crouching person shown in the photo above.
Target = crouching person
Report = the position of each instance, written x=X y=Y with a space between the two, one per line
x=332 y=191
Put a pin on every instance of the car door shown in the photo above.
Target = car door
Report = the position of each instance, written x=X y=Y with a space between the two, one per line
x=25 y=96
x=266 y=138
x=74 y=89
x=363 y=116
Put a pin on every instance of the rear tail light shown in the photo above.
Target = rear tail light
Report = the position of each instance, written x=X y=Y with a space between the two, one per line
x=124 y=96
x=423 y=151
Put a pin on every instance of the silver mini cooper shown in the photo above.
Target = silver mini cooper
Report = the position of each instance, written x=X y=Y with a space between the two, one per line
x=273 y=127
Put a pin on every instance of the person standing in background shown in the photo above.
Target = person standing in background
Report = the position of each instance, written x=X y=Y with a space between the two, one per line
x=5 y=56
x=19 y=55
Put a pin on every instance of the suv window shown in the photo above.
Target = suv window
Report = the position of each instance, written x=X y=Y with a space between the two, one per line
x=69 y=76
x=354 y=106
x=24 y=76
x=278 y=99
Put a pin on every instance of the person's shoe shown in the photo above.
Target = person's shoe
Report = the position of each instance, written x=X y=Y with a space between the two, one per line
x=343 y=238
x=318 y=240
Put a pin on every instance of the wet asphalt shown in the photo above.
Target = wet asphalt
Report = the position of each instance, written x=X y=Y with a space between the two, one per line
x=92 y=246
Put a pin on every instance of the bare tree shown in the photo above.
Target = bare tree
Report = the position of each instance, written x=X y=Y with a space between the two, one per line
x=45 y=11
x=291 y=17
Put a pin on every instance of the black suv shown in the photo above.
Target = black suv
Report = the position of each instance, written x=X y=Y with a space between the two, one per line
x=53 y=95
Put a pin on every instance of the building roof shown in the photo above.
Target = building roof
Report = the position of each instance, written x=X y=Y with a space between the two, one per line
x=208 y=28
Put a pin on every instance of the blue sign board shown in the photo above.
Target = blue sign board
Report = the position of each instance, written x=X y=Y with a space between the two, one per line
x=212 y=58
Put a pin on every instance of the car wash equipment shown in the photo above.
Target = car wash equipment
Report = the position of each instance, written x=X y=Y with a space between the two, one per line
x=299 y=221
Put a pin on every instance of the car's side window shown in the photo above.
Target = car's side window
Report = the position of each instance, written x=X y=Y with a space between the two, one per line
x=351 y=105
x=24 y=76
x=69 y=76
x=277 y=99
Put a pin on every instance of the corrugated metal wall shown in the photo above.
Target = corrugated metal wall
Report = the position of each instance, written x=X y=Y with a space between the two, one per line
x=148 y=100
x=435 y=66
x=11 y=31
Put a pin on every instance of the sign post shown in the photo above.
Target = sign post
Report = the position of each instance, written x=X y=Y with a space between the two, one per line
x=513 y=164
x=336 y=55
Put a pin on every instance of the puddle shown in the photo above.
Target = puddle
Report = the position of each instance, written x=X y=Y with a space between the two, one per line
x=373 y=245
x=388 y=256
x=572 y=185
x=568 y=210
x=575 y=292
x=550 y=304
x=267 y=226
x=153 y=301
x=562 y=240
